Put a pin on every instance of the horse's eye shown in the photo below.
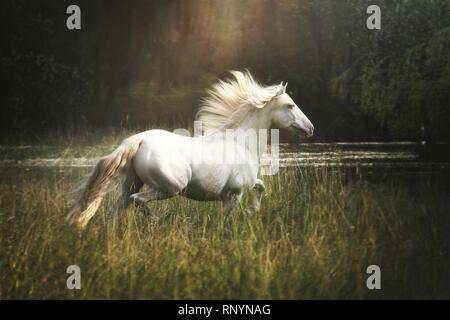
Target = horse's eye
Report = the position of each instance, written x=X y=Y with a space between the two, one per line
x=291 y=106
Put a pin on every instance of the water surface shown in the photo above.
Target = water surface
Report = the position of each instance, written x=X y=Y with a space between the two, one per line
x=395 y=158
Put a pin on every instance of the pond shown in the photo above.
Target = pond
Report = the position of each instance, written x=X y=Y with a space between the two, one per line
x=363 y=158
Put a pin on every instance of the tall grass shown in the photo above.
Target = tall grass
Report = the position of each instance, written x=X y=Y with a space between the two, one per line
x=314 y=238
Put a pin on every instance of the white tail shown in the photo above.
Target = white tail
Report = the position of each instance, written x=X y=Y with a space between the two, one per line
x=109 y=167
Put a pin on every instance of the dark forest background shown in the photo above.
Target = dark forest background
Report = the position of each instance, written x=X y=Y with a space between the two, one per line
x=137 y=64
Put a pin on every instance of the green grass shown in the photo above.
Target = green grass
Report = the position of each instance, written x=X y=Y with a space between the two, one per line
x=313 y=239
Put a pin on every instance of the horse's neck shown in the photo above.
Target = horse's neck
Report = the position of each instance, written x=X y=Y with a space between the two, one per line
x=260 y=124
x=256 y=120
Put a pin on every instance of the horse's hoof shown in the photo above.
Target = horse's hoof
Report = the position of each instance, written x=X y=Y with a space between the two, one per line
x=134 y=198
x=250 y=213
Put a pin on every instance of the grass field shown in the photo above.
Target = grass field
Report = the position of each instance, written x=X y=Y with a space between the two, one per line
x=315 y=236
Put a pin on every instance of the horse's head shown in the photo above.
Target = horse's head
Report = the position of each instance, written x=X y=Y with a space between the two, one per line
x=285 y=114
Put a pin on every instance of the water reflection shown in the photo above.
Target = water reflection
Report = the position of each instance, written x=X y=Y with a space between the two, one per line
x=402 y=156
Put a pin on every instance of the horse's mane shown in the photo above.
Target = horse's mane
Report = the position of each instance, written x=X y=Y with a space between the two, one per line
x=229 y=101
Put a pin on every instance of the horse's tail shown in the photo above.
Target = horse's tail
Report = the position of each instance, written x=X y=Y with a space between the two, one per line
x=95 y=188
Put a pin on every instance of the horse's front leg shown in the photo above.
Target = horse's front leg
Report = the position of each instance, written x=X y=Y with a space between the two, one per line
x=257 y=193
x=232 y=201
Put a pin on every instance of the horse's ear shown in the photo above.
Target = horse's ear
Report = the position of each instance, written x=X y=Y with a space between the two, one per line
x=281 y=89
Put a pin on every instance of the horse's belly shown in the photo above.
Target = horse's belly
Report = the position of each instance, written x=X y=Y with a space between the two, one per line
x=197 y=192
x=207 y=183
x=216 y=182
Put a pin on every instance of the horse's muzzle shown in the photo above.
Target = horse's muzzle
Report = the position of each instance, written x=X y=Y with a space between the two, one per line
x=306 y=131
x=309 y=131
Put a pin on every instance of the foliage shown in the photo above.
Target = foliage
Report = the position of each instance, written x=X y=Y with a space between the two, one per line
x=414 y=87
x=140 y=62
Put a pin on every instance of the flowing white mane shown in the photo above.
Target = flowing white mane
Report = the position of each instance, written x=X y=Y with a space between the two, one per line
x=228 y=102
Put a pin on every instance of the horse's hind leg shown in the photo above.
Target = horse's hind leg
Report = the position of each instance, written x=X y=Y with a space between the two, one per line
x=151 y=195
x=140 y=199
x=166 y=185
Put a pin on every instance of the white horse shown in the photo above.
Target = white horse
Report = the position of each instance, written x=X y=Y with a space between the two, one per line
x=169 y=163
